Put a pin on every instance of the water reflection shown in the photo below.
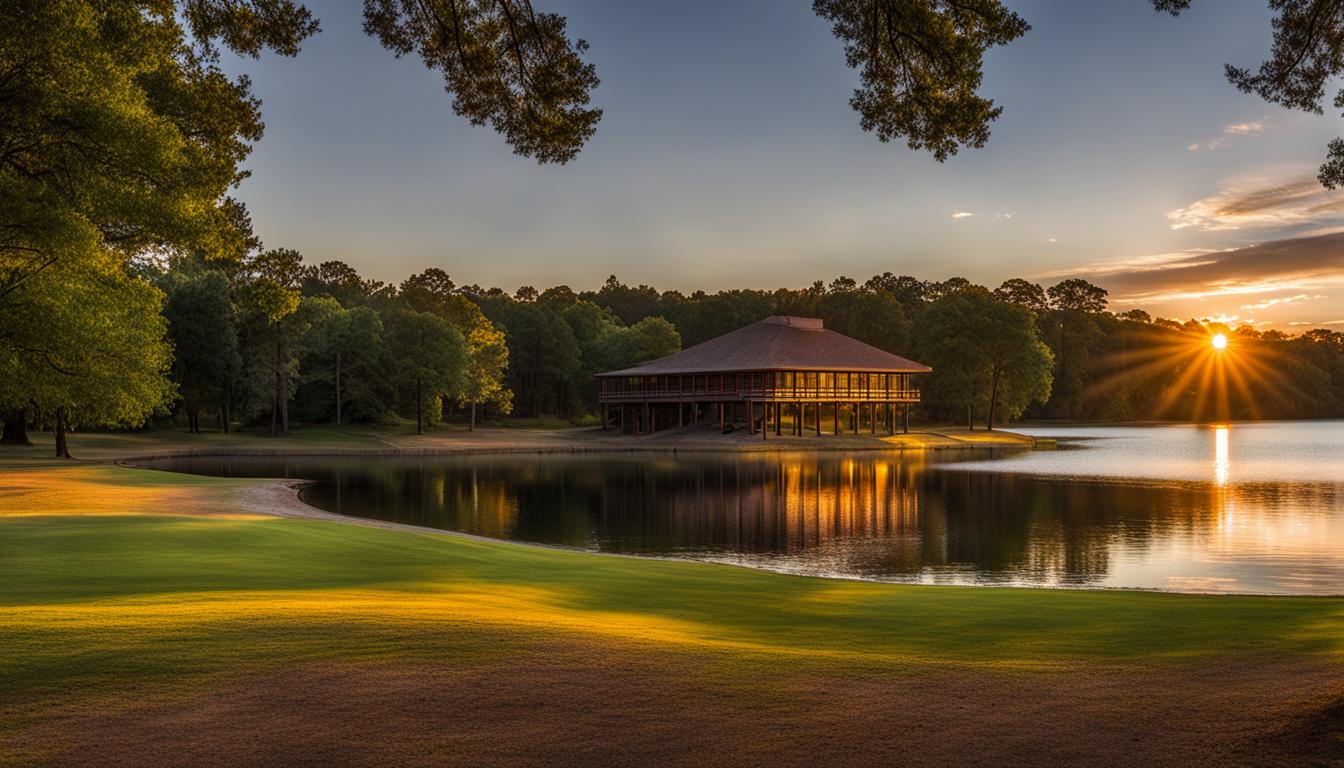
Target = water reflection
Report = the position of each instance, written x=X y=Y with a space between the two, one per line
x=1220 y=458
x=897 y=517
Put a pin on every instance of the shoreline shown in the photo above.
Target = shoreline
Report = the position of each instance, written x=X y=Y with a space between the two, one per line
x=129 y=447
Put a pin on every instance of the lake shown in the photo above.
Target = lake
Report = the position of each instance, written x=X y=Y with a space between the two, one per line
x=1245 y=508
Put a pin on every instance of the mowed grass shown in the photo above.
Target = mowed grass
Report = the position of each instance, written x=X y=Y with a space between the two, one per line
x=101 y=602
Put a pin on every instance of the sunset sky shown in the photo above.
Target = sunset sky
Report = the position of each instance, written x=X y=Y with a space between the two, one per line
x=729 y=157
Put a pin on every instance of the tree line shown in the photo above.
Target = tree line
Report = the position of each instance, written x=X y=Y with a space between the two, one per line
x=267 y=341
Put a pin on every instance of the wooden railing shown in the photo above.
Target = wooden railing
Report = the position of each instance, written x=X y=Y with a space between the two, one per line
x=616 y=391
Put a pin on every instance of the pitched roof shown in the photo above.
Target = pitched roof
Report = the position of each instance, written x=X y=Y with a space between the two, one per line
x=777 y=344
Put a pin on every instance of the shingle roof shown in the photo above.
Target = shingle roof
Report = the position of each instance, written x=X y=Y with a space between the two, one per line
x=777 y=344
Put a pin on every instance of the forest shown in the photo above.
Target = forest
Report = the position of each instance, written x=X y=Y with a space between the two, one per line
x=268 y=342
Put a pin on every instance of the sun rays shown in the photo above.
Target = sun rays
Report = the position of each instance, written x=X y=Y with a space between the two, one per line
x=1201 y=373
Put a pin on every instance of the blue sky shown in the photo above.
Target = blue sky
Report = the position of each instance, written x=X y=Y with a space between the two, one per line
x=729 y=157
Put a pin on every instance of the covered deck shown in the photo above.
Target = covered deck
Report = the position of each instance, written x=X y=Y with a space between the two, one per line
x=782 y=370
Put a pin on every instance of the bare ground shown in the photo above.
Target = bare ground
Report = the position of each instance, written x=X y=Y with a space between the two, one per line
x=565 y=705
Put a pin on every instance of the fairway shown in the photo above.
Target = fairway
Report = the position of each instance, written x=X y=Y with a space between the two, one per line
x=197 y=600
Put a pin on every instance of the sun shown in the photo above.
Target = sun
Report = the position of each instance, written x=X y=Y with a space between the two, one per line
x=1219 y=341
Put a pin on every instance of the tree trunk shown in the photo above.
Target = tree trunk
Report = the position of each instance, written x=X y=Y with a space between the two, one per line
x=16 y=428
x=275 y=396
x=993 y=400
x=284 y=400
x=471 y=426
x=62 y=449
x=419 y=409
x=970 y=420
x=338 y=387
x=228 y=406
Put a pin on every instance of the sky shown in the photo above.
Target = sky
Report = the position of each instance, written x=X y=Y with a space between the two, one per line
x=728 y=157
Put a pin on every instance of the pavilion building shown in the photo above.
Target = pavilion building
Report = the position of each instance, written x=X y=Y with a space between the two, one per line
x=782 y=368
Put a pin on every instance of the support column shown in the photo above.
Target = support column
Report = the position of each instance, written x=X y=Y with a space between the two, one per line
x=751 y=418
x=872 y=418
x=779 y=418
x=720 y=417
x=835 y=424
x=906 y=426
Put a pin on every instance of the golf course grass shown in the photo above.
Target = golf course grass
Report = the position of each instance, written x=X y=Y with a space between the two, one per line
x=121 y=587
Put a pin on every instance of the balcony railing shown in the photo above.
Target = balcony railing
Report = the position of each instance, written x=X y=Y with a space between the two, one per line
x=616 y=391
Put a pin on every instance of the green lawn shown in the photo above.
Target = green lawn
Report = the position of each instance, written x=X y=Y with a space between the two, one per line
x=152 y=595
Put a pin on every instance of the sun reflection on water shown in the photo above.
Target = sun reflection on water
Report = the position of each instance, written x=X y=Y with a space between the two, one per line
x=1220 y=458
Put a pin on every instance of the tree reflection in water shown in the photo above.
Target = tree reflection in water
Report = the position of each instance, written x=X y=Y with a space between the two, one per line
x=892 y=516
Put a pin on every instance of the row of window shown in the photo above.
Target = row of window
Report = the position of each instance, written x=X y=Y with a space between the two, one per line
x=777 y=382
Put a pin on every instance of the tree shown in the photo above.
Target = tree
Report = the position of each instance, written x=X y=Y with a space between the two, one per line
x=1077 y=295
x=429 y=358
x=875 y=318
x=985 y=354
x=487 y=354
x=121 y=138
x=199 y=311
x=630 y=305
x=624 y=347
x=115 y=136
x=919 y=64
x=544 y=356
x=272 y=302
x=505 y=64
x=340 y=358
x=487 y=357
x=341 y=282
x=1023 y=293
x=85 y=343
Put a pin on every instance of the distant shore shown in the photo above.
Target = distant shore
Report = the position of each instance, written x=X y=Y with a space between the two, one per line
x=372 y=441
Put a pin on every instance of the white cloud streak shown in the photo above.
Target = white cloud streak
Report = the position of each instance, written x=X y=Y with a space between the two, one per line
x=1262 y=202
x=1224 y=141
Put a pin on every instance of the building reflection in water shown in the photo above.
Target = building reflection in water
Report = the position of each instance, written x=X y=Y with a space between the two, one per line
x=895 y=517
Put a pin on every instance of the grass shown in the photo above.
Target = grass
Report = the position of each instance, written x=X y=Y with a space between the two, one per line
x=88 y=593
x=144 y=612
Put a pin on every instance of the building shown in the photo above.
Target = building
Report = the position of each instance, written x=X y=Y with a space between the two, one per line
x=782 y=369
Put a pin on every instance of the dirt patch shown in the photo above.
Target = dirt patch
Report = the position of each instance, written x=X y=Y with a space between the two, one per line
x=567 y=706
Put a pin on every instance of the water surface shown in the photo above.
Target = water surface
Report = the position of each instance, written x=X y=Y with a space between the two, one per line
x=1247 y=508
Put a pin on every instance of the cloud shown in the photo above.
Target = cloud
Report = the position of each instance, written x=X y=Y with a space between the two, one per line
x=1224 y=141
x=1262 y=202
x=962 y=215
x=1275 y=274
x=1156 y=262
x=1004 y=215
x=1283 y=300
x=1053 y=240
